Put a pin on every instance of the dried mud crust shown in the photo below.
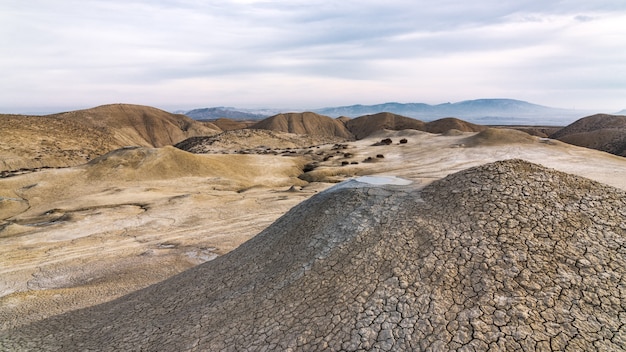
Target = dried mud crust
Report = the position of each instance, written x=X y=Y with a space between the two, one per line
x=505 y=256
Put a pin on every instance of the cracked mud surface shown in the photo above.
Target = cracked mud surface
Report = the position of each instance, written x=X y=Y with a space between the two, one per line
x=505 y=256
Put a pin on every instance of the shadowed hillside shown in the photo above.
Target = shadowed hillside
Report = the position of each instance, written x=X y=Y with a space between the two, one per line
x=363 y=126
x=142 y=125
x=76 y=137
x=504 y=256
x=602 y=132
x=305 y=123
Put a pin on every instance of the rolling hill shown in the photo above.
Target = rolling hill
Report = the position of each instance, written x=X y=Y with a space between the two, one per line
x=363 y=126
x=222 y=112
x=75 y=137
x=227 y=124
x=305 y=123
x=451 y=123
x=601 y=131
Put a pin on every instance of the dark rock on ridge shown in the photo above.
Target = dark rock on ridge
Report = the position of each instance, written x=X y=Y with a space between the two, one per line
x=505 y=256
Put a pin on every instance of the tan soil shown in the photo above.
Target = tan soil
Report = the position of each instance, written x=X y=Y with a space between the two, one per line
x=80 y=236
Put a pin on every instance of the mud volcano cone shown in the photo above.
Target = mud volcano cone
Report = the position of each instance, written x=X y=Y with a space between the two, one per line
x=505 y=256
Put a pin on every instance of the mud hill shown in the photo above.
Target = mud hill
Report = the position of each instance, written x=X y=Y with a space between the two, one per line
x=226 y=124
x=143 y=125
x=259 y=141
x=451 y=123
x=143 y=164
x=499 y=136
x=602 y=132
x=305 y=123
x=364 y=126
x=75 y=137
x=504 y=256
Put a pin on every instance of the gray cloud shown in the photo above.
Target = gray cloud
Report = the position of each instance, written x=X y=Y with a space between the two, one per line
x=204 y=52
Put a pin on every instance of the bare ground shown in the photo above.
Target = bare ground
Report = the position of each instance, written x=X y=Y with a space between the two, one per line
x=70 y=240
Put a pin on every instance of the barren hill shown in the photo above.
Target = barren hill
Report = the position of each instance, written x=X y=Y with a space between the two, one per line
x=305 y=123
x=363 y=126
x=499 y=136
x=601 y=132
x=226 y=124
x=451 y=123
x=142 y=125
x=504 y=256
x=252 y=139
x=76 y=137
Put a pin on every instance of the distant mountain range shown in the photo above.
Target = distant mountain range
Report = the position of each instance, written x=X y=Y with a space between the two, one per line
x=481 y=111
x=222 y=112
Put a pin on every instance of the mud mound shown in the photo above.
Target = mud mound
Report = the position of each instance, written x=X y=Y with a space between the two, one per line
x=305 y=123
x=499 y=136
x=505 y=256
x=364 y=126
x=141 y=163
x=228 y=124
x=246 y=139
x=76 y=137
x=592 y=123
x=133 y=163
x=142 y=125
x=602 y=132
x=451 y=123
x=344 y=119
x=607 y=140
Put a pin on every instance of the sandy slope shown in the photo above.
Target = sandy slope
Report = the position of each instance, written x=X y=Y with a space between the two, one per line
x=75 y=237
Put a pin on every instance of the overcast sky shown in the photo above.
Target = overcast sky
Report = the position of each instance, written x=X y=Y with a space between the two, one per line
x=183 y=54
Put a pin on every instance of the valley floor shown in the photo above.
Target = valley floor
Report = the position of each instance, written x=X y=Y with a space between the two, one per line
x=69 y=240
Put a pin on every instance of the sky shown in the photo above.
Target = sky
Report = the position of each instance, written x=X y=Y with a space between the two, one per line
x=183 y=54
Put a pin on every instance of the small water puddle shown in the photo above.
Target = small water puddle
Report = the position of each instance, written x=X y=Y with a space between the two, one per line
x=383 y=180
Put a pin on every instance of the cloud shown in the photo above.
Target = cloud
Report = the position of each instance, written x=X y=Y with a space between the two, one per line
x=89 y=52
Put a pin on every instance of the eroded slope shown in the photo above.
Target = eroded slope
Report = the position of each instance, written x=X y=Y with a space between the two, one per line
x=75 y=137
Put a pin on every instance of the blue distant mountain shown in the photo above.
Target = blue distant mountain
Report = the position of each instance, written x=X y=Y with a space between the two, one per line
x=479 y=111
x=482 y=111
x=222 y=112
